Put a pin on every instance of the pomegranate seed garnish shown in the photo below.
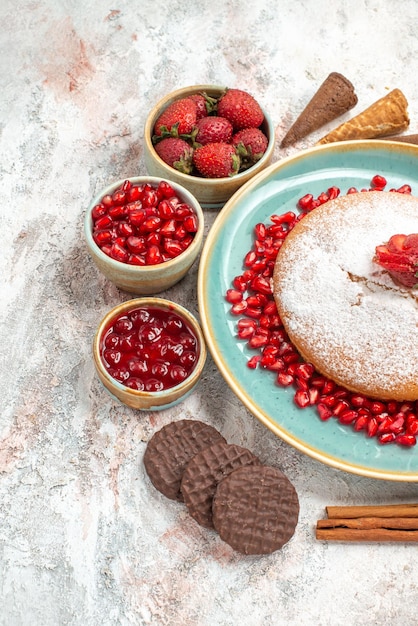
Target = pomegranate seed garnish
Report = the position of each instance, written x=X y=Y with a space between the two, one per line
x=404 y=189
x=324 y=412
x=305 y=202
x=348 y=416
x=372 y=427
x=233 y=296
x=406 y=440
x=377 y=407
x=240 y=283
x=285 y=379
x=305 y=371
x=253 y=362
x=361 y=422
x=302 y=398
x=379 y=182
x=239 y=308
x=386 y=438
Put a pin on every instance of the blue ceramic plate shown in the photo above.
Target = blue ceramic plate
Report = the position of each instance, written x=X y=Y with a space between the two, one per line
x=277 y=190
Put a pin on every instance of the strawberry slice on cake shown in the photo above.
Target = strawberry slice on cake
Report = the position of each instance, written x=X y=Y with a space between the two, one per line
x=399 y=256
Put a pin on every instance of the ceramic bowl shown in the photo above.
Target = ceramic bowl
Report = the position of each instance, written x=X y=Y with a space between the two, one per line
x=145 y=279
x=210 y=192
x=140 y=399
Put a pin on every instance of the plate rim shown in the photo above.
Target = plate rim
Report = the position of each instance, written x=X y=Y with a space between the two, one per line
x=325 y=458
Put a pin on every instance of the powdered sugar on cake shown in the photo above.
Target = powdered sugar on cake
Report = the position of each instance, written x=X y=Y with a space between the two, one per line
x=341 y=309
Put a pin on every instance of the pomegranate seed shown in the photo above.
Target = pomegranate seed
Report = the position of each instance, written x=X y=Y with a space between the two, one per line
x=361 y=422
x=285 y=379
x=191 y=223
x=406 y=440
x=102 y=237
x=412 y=426
x=253 y=362
x=377 y=407
x=239 y=308
x=119 y=253
x=233 y=296
x=329 y=401
x=378 y=182
x=359 y=401
x=386 y=438
x=284 y=218
x=302 y=398
x=323 y=411
x=261 y=285
x=313 y=395
x=301 y=384
x=254 y=312
x=372 y=427
x=153 y=255
x=103 y=222
x=172 y=247
x=98 y=211
x=166 y=210
x=260 y=230
x=240 y=283
x=259 y=339
x=119 y=197
x=348 y=416
x=404 y=189
x=305 y=202
x=305 y=371
x=340 y=407
x=333 y=192
x=398 y=425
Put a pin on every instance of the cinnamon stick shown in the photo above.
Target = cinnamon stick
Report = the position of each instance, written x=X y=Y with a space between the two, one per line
x=389 y=510
x=370 y=523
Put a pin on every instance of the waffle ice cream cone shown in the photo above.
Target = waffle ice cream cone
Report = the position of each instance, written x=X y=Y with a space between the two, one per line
x=386 y=116
x=334 y=97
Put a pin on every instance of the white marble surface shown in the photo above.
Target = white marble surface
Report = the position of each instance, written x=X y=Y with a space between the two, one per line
x=84 y=539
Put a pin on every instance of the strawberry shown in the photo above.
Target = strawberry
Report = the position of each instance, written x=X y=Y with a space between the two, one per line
x=177 y=119
x=212 y=129
x=204 y=104
x=216 y=160
x=251 y=144
x=176 y=152
x=399 y=256
x=240 y=108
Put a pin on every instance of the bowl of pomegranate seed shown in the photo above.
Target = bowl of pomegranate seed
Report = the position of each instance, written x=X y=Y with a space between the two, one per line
x=144 y=233
x=209 y=139
x=149 y=353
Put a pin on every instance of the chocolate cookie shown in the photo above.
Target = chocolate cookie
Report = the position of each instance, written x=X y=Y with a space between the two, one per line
x=255 y=509
x=202 y=475
x=170 y=449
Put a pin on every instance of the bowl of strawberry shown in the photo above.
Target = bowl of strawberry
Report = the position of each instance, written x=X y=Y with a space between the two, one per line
x=209 y=139
x=144 y=233
x=149 y=353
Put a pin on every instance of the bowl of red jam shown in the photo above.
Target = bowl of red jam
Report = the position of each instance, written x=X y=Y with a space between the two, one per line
x=149 y=353
x=144 y=233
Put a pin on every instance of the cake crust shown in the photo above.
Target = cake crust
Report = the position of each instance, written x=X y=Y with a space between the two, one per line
x=343 y=312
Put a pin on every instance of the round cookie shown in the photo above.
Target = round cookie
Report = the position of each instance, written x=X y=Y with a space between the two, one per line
x=342 y=311
x=255 y=509
x=170 y=449
x=202 y=475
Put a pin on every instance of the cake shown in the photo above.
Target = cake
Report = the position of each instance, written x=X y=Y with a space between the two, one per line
x=343 y=312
